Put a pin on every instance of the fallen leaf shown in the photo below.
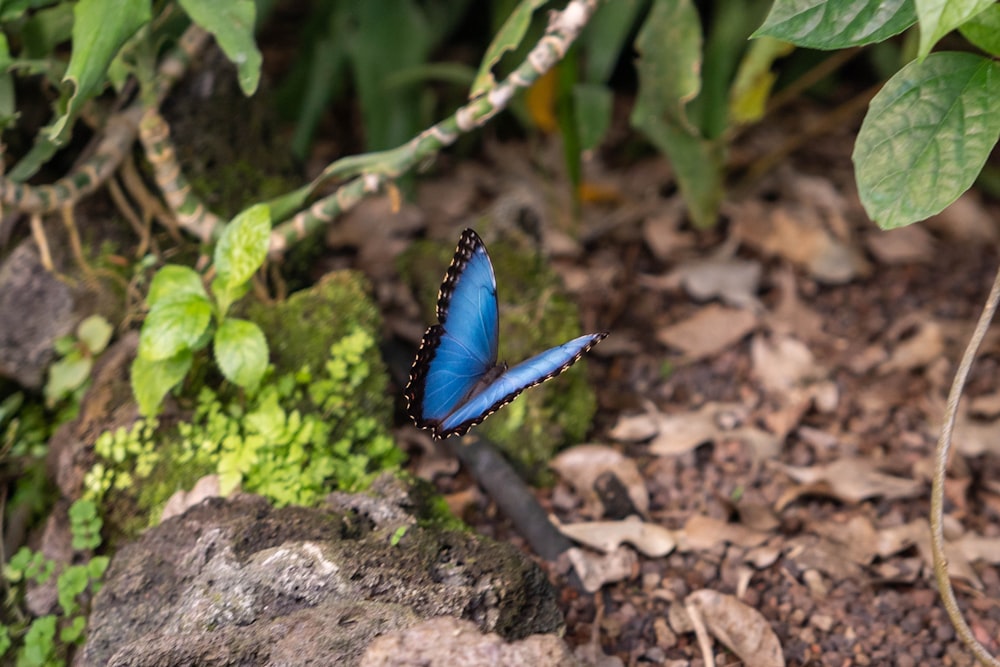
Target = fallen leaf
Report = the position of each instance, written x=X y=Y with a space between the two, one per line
x=812 y=552
x=849 y=480
x=923 y=347
x=709 y=331
x=975 y=437
x=606 y=536
x=905 y=245
x=733 y=281
x=965 y=219
x=701 y=533
x=595 y=570
x=782 y=363
x=673 y=435
x=180 y=501
x=582 y=465
x=743 y=629
x=791 y=315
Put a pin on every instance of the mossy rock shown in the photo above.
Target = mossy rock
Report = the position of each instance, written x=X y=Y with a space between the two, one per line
x=534 y=315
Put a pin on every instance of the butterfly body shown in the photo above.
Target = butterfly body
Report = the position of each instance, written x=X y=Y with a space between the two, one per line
x=456 y=382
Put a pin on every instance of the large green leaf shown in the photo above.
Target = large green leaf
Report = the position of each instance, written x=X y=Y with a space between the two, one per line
x=243 y=246
x=232 y=24
x=837 y=24
x=983 y=30
x=241 y=352
x=151 y=380
x=939 y=17
x=100 y=28
x=669 y=46
x=507 y=39
x=174 y=282
x=927 y=135
x=173 y=326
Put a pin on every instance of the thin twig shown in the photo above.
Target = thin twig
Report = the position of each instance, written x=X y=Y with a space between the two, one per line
x=940 y=470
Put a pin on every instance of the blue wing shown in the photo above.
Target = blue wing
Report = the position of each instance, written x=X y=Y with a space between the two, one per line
x=507 y=386
x=455 y=382
x=456 y=354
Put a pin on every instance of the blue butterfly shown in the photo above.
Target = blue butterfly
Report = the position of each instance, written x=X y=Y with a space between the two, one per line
x=456 y=382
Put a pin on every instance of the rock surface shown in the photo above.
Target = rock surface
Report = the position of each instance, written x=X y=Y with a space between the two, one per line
x=237 y=582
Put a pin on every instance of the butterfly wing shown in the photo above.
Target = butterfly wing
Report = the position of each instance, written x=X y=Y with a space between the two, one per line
x=455 y=354
x=505 y=388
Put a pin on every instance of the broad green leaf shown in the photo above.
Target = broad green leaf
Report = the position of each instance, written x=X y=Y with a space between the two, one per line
x=837 y=24
x=669 y=46
x=242 y=248
x=241 y=352
x=8 y=103
x=507 y=39
x=95 y=333
x=983 y=30
x=603 y=38
x=174 y=282
x=927 y=135
x=592 y=104
x=226 y=294
x=939 y=17
x=232 y=24
x=151 y=380
x=100 y=28
x=174 y=326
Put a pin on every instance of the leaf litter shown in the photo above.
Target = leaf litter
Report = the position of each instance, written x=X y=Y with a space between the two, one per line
x=771 y=408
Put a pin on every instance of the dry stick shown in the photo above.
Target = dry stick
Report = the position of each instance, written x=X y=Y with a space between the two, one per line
x=940 y=469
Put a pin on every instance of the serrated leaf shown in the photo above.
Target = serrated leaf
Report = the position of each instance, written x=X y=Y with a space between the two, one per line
x=984 y=30
x=174 y=283
x=507 y=39
x=100 y=28
x=95 y=333
x=927 y=134
x=174 y=326
x=151 y=380
x=825 y=24
x=232 y=24
x=939 y=17
x=242 y=248
x=241 y=352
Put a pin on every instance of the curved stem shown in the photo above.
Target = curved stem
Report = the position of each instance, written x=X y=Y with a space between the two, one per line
x=940 y=470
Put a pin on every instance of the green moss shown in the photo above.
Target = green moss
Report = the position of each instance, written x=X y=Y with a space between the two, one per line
x=534 y=315
x=318 y=423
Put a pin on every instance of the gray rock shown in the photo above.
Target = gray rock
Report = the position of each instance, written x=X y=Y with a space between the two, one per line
x=237 y=582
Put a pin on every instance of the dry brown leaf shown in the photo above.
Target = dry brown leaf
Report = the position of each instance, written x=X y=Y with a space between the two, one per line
x=857 y=537
x=701 y=533
x=673 y=435
x=180 y=501
x=965 y=219
x=974 y=437
x=905 y=245
x=733 y=281
x=763 y=557
x=606 y=536
x=709 y=331
x=850 y=480
x=811 y=552
x=986 y=406
x=894 y=539
x=923 y=347
x=743 y=629
x=580 y=466
x=782 y=363
x=792 y=316
x=595 y=570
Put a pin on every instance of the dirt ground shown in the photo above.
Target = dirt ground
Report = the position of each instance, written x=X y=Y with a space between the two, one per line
x=770 y=397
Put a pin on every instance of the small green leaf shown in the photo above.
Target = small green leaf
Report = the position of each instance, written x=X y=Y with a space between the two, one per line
x=397 y=535
x=66 y=376
x=837 y=25
x=174 y=283
x=927 y=134
x=242 y=248
x=232 y=24
x=507 y=39
x=174 y=326
x=151 y=380
x=95 y=332
x=241 y=352
x=939 y=17
x=592 y=103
